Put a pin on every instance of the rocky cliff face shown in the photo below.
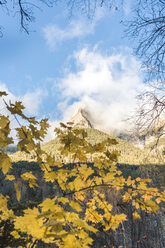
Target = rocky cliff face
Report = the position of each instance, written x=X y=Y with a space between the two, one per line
x=81 y=119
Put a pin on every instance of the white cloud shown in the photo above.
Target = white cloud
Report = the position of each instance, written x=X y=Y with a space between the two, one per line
x=105 y=85
x=54 y=35
x=31 y=100
x=79 y=27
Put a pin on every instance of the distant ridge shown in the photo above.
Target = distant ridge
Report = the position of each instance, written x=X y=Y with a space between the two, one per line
x=129 y=153
x=81 y=119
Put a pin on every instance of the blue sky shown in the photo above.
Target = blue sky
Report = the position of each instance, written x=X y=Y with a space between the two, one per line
x=68 y=62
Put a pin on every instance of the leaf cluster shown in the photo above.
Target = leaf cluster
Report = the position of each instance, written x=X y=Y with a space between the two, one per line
x=80 y=207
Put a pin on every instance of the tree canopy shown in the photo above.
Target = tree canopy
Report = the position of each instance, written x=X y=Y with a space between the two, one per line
x=80 y=206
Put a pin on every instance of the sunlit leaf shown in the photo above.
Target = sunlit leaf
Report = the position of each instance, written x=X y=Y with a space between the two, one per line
x=18 y=193
x=10 y=177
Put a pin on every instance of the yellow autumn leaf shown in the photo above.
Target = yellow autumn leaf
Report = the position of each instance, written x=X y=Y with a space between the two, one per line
x=10 y=177
x=129 y=181
x=50 y=176
x=18 y=194
x=85 y=171
x=71 y=241
x=136 y=215
x=115 y=221
x=97 y=216
x=138 y=179
x=28 y=176
x=71 y=216
x=15 y=234
x=32 y=183
x=48 y=204
x=80 y=196
x=32 y=225
x=158 y=200
x=147 y=197
x=64 y=200
x=152 y=205
x=5 y=212
x=127 y=197
x=5 y=162
x=75 y=206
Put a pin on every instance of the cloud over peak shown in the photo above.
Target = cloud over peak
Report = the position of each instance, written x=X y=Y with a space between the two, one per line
x=105 y=85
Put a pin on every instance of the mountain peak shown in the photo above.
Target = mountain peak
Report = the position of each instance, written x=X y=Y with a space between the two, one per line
x=81 y=119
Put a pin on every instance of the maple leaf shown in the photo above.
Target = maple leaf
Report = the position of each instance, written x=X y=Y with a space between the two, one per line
x=10 y=177
x=136 y=215
x=18 y=193
x=75 y=206
x=5 y=162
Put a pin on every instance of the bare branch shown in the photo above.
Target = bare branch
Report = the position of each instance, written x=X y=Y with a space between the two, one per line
x=25 y=9
x=147 y=28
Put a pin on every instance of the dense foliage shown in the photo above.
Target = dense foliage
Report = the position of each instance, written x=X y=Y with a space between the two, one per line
x=80 y=206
